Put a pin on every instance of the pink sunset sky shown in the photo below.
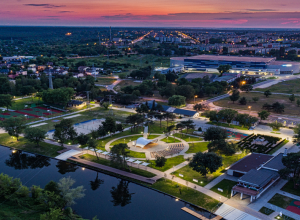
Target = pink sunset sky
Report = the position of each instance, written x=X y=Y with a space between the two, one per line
x=154 y=13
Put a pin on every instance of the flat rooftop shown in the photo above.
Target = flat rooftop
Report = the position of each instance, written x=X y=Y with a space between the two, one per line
x=231 y=58
x=252 y=161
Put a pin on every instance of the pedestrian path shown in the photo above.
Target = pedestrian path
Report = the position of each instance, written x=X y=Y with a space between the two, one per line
x=67 y=154
x=228 y=212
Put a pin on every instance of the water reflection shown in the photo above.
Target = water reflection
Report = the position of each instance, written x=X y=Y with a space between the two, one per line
x=95 y=184
x=66 y=167
x=120 y=194
x=20 y=161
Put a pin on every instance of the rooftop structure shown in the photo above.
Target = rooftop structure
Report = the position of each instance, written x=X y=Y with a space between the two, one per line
x=142 y=142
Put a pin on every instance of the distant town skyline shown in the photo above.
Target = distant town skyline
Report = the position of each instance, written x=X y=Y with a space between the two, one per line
x=155 y=13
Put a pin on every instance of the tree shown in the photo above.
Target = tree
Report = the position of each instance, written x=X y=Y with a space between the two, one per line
x=35 y=135
x=110 y=125
x=235 y=96
x=58 y=96
x=222 y=147
x=298 y=102
x=64 y=131
x=169 y=115
x=228 y=114
x=105 y=105
x=292 y=97
x=160 y=161
x=95 y=184
x=267 y=93
x=160 y=117
x=255 y=99
x=267 y=107
x=185 y=90
x=198 y=107
x=223 y=69
x=297 y=134
x=275 y=126
x=176 y=100
x=247 y=88
x=292 y=163
x=188 y=124
x=69 y=195
x=243 y=101
x=215 y=133
x=119 y=153
x=14 y=126
x=205 y=163
x=135 y=120
x=159 y=107
x=5 y=100
x=263 y=114
x=278 y=108
x=92 y=143
x=82 y=139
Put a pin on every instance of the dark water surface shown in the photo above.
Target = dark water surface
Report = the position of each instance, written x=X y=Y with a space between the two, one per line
x=106 y=196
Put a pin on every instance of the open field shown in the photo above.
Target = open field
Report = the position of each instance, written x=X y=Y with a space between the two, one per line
x=124 y=83
x=20 y=103
x=197 y=147
x=291 y=108
x=110 y=164
x=105 y=80
x=187 y=138
x=189 y=174
x=280 y=200
x=44 y=148
x=171 y=162
x=185 y=193
x=226 y=186
x=290 y=87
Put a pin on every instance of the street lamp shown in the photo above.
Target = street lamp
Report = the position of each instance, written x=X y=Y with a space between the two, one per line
x=249 y=109
x=195 y=97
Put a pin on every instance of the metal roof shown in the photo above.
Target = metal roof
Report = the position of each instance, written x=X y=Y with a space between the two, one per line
x=275 y=163
x=259 y=178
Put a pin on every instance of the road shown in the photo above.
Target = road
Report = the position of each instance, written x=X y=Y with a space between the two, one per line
x=112 y=86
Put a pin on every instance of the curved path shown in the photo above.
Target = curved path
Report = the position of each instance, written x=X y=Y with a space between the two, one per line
x=148 y=155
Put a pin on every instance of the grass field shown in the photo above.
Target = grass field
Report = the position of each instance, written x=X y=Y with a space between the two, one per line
x=185 y=193
x=291 y=108
x=173 y=161
x=226 y=186
x=20 y=103
x=280 y=200
x=170 y=140
x=187 y=138
x=197 y=147
x=44 y=148
x=105 y=81
x=290 y=87
x=125 y=83
x=227 y=125
x=189 y=174
x=289 y=187
x=108 y=163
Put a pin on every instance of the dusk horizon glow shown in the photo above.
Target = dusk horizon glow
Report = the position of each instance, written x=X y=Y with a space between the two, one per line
x=166 y=13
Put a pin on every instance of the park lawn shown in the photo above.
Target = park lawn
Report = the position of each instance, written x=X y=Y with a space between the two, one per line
x=291 y=108
x=289 y=187
x=108 y=163
x=278 y=147
x=136 y=154
x=173 y=161
x=187 y=138
x=105 y=80
x=126 y=140
x=289 y=86
x=124 y=83
x=44 y=148
x=227 y=125
x=266 y=210
x=226 y=185
x=153 y=136
x=280 y=200
x=187 y=194
x=20 y=103
x=189 y=174
x=197 y=147
x=170 y=140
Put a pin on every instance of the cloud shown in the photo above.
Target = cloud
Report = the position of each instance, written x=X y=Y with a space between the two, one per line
x=65 y=11
x=45 y=5
x=260 y=10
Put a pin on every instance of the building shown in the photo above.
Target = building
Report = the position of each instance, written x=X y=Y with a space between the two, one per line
x=257 y=172
x=239 y=64
x=227 y=77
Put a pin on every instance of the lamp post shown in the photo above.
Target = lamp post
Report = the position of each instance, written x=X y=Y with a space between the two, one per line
x=194 y=99
x=249 y=109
